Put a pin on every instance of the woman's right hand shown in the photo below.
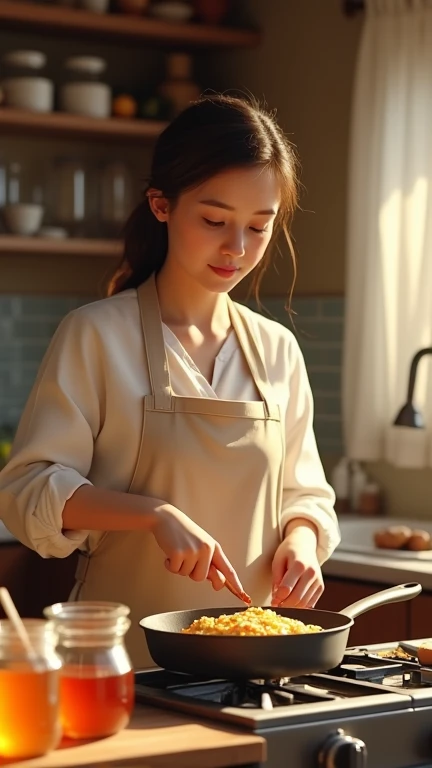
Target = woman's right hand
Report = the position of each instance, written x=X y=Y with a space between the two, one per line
x=191 y=551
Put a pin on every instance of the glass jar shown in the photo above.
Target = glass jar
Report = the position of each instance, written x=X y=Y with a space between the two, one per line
x=70 y=196
x=24 y=206
x=24 y=85
x=84 y=94
x=29 y=691
x=116 y=198
x=97 y=679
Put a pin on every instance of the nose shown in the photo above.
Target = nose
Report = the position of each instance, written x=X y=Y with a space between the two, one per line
x=233 y=245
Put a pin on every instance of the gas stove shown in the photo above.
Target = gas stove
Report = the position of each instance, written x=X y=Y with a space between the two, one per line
x=374 y=710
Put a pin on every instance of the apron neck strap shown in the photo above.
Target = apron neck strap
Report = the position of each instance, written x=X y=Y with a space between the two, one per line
x=154 y=343
x=156 y=354
x=252 y=353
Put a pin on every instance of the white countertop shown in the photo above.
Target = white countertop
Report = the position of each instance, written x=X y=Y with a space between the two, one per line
x=383 y=570
x=380 y=566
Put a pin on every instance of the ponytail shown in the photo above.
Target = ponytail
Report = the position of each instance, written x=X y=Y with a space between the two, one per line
x=145 y=249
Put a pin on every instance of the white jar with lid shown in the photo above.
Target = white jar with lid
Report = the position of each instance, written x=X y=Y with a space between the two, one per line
x=23 y=86
x=84 y=94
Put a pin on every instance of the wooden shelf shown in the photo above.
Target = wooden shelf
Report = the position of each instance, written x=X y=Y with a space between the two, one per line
x=45 y=18
x=62 y=125
x=13 y=245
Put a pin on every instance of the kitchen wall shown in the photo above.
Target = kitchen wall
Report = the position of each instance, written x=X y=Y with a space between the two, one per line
x=28 y=322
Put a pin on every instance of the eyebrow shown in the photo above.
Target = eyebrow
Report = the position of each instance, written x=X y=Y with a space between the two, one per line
x=219 y=204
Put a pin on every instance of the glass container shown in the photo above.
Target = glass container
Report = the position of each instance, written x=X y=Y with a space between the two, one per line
x=29 y=691
x=97 y=679
x=116 y=198
x=70 y=196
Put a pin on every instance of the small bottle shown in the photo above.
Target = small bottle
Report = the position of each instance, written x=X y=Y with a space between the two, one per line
x=179 y=87
x=370 y=502
x=340 y=481
x=359 y=481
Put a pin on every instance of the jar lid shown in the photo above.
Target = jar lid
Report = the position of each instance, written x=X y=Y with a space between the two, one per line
x=92 y=65
x=31 y=59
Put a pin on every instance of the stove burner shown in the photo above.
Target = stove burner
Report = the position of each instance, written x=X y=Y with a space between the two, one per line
x=253 y=694
x=391 y=671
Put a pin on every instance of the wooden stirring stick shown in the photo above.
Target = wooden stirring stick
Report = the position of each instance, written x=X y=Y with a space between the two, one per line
x=15 y=619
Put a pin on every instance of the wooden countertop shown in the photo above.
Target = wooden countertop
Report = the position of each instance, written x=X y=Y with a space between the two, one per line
x=157 y=737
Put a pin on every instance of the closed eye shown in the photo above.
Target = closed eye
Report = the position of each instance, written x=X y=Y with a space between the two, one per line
x=213 y=223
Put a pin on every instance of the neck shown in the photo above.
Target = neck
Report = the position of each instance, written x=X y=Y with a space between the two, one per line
x=183 y=302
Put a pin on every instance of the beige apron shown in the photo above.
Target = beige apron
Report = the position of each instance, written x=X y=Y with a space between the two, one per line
x=221 y=463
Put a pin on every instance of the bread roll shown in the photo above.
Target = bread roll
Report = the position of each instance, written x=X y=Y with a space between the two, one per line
x=424 y=653
x=394 y=537
x=419 y=541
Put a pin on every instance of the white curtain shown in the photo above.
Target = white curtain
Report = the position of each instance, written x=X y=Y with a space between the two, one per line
x=389 y=247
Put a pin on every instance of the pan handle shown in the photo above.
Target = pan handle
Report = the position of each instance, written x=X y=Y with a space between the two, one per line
x=392 y=595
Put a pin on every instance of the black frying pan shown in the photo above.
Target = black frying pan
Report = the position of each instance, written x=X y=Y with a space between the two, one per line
x=233 y=657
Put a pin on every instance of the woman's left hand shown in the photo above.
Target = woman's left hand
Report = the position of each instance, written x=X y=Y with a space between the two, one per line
x=297 y=579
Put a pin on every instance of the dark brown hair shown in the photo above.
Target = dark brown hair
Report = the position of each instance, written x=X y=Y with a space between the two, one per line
x=213 y=134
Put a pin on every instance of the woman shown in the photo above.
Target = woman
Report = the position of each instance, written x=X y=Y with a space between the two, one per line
x=169 y=432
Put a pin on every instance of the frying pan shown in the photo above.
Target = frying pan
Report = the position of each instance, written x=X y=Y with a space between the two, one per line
x=234 y=657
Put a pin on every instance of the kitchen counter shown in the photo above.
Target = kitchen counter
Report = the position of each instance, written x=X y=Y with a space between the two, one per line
x=157 y=737
x=379 y=566
x=379 y=569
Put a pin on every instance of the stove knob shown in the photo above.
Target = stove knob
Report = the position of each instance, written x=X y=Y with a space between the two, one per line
x=343 y=751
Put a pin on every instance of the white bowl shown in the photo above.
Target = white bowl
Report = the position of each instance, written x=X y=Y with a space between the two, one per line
x=23 y=218
x=172 y=11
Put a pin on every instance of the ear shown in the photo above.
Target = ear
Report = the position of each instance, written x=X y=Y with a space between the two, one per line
x=159 y=205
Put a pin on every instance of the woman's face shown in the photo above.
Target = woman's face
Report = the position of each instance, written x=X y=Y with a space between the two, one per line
x=219 y=231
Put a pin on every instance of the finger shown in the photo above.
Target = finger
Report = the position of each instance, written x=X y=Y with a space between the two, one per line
x=309 y=598
x=305 y=584
x=312 y=601
x=174 y=562
x=279 y=569
x=216 y=578
x=202 y=567
x=221 y=562
x=288 y=584
x=188 y=565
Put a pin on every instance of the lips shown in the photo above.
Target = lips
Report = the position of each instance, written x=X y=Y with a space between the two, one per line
x=224 y=271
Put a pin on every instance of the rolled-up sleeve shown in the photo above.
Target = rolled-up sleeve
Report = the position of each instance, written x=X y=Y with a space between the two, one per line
x=306 y=493
x=54 y=445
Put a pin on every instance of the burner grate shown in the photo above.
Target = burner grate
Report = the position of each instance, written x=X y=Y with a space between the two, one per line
x=250 y=694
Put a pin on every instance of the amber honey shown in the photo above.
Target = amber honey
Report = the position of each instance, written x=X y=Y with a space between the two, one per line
x=95 y=704
x=29 y=714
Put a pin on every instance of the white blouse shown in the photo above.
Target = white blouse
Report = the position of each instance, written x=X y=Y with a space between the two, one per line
x=82 y=421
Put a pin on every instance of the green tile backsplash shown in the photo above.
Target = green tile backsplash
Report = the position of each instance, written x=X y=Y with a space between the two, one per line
x=28 y=322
